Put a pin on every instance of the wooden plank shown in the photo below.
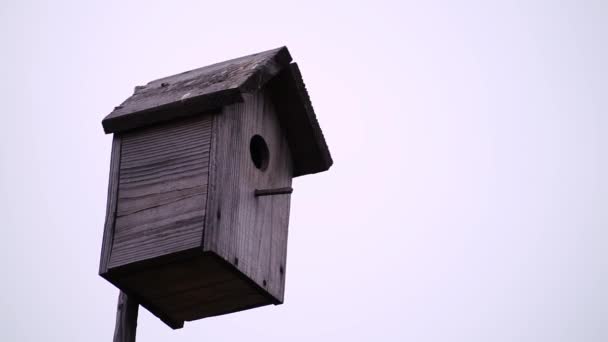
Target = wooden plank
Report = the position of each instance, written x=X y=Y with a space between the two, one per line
x=248 y=231
x=136 y=279
x=190 y=288
x=108 y=231
x=210 y=88
x=162 y=190
x=198 y=288
x=206 y=88
x=296 y=114
x=126 y=319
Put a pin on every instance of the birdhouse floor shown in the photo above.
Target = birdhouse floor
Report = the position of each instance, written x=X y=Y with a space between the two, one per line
x=189 y=286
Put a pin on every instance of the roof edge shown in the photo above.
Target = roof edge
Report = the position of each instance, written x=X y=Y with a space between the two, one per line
x=306 y=141
x=267 y=71
x=192 y=106
x=197 y=91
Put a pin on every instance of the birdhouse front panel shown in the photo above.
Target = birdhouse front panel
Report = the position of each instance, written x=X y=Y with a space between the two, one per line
x=162 y=190
x=200 y=186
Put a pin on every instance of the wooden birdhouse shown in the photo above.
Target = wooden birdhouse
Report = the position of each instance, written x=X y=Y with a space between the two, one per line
x=200 y=186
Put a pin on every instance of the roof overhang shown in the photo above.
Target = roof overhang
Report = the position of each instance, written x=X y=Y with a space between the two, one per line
x=210 y=88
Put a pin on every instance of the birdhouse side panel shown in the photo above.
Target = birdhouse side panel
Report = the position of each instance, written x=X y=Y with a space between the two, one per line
x=108 y=231
x=250 y=152
x=162 y=190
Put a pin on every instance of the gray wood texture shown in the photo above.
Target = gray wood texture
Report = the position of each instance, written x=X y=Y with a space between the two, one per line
x=206 y=88
x=160 y=185
x=309 y=150
x=162 y=190
x=210 y=88
x=108 y=231
x=194 y=288
x=126 y=319
x=248 y=231
x=194 y=228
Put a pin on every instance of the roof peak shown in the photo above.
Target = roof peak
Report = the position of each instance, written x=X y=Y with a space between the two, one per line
x=211 y=87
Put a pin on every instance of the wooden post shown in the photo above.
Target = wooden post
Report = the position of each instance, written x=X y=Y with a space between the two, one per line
x=126 y=319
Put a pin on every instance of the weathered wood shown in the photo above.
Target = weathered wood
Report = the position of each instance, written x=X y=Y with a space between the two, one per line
x=240 y=263
x=198 y=206
x=237 y=293
x=162 y=190
x=126 y=319
x=205 y=88
x=306 y=141
x=208 y=89
x=249 y=231
x=190 y=286
x=202 y=286
x=108 y=231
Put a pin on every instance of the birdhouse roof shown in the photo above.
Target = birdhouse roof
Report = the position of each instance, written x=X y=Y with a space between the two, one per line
x=209 y=88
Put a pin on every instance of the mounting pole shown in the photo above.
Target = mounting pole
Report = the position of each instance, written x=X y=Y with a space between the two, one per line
x=126 y=319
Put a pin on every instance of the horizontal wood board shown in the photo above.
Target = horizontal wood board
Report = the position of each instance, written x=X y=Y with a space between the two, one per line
x=162 y=190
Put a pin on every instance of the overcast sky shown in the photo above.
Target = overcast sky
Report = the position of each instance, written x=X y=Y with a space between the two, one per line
x=468 y=200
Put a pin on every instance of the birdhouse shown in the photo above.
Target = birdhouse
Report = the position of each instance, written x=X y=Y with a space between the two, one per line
x=200 y=186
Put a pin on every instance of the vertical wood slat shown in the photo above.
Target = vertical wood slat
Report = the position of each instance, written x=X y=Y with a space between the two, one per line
x=126 y=319
x=247 y=231
x=108 y=231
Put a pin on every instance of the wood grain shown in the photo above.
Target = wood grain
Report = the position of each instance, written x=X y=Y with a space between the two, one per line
x=248 y=231
x=194 y=288
x=209 y=89
x=189 y=288
x=108 y=231
x=162 y=190
x=193 y=228
x=299 y=121
x=205 y=88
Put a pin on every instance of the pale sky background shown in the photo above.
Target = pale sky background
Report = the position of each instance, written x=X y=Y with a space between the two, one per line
x=468 y=200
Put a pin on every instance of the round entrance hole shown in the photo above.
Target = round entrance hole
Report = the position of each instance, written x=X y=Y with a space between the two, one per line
x=259 y=152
